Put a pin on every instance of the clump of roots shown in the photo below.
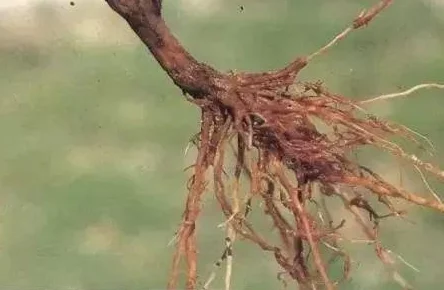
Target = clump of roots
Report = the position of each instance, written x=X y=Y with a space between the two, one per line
x=292 y=144
x=271 y=129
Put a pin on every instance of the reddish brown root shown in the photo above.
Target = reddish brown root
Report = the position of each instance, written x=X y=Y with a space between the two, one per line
x=292 y=144
x=284 y=156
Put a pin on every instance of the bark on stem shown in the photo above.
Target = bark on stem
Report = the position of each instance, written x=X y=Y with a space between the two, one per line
x=144 y=17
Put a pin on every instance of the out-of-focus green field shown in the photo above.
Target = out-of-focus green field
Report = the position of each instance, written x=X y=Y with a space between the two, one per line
x=92 y=133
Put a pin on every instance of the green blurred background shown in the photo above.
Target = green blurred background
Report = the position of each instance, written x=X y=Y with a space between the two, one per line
x=92 y=133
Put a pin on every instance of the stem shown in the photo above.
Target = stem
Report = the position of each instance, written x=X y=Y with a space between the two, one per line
x=146 y=21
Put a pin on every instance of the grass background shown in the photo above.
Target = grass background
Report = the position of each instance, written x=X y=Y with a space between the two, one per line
x=92 y=133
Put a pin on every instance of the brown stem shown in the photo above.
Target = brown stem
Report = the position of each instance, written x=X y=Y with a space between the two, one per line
x=144 y=17
x=193 y=77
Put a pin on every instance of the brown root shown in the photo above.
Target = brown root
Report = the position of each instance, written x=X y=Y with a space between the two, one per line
x=283 y=153
x=274 y=122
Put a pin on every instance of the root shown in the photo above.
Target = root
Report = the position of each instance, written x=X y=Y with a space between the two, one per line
x=404 y=93
x=276 y=139
x=292 y=167
x=274 y=120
